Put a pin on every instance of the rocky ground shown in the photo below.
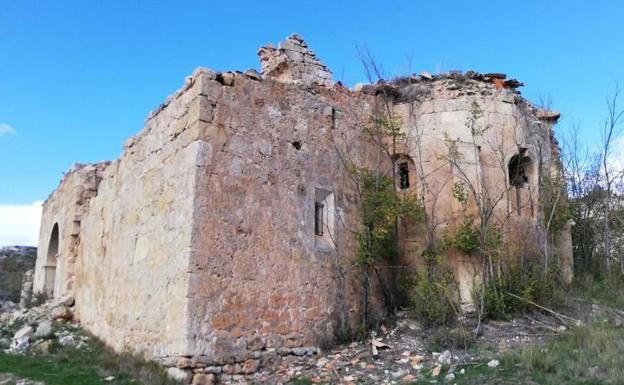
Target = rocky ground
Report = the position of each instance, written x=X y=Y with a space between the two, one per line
x=42 y=343
x=9 y=379
x=26 y=329
x=403 y=352
x=406 y=352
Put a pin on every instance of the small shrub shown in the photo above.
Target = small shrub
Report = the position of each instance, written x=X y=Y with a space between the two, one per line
x=432 y=295
x=443 y=338
x=607 y=291
x=300 y=381
x=529 y=282
x=465 y=238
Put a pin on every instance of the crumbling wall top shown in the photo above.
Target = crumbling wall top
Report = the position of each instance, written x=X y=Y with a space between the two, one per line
x=456 y=84
x=88 y=177
x=293 y=61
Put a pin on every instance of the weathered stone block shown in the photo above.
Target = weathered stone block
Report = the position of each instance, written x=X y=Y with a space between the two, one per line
x=182 y=375
x=204 y=379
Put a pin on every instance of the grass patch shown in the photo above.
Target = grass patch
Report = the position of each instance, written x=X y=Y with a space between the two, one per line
x=443 y=338
x=585 y=355
x=607 y=291
x=49 y=370
x=88 y=365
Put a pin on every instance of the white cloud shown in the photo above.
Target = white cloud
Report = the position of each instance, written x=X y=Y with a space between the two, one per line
x=616 y=155
x=19 y=224
x=6 y=129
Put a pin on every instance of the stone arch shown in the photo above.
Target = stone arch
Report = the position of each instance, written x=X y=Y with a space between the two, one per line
x=520 y=169
x=51 y=262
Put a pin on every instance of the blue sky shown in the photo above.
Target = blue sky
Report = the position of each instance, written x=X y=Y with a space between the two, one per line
x=77 y=78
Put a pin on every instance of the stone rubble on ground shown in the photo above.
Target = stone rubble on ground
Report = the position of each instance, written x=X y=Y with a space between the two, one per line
x=37 y=327
x=493 y=363
x=409 y=359
x=401 y=357
x=44 y=329
x=8 y=306
x=445 y=358
x=10 y=379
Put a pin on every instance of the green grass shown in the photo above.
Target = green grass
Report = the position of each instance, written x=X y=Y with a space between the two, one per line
x=49 y=370
x=85 y=366
x=299 y=381
x=584 y=356
x=608 y=292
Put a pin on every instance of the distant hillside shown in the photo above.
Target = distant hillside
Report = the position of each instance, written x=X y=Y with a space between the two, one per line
x=14 y=262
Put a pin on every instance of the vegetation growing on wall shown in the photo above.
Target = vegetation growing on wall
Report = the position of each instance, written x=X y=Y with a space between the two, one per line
x=433 y=293
x=465 y=238
x=381 y=207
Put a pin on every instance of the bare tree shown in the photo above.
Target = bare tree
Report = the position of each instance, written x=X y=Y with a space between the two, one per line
x=611 y=130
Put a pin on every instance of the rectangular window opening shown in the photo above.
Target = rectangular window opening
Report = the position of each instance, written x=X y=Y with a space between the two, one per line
x=404 y=176
x=318 y=218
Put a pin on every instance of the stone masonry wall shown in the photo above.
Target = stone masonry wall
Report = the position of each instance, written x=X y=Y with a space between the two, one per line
x=132 y=279
x=434 y=111
x=262 y=281
x=66 y=208
x=197 y=245
x=293 y=60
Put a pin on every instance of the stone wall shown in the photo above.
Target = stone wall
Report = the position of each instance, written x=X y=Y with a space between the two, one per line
x=65 y=208
x=293 y=60
x=133 y=277
x=435 y=114
x=262 y=280
x=200 y=243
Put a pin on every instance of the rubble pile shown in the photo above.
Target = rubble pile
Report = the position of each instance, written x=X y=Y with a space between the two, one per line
x=399 y=354
x=32 y=329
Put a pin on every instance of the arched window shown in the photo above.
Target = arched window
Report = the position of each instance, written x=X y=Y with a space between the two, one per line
x=403 y=168
x=519 y=169
x=51 y=262
x=520 y=173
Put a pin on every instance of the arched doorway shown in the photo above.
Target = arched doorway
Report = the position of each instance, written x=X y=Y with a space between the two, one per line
x=51 y=261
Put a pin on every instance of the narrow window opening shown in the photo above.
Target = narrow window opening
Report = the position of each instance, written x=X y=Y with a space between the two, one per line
x=324 y=219
x=404 y=176
x=519 y=170
x=318 y=218
x=333 y=117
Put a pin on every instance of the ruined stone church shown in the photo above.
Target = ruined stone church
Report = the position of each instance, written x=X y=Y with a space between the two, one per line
x=213 y=240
